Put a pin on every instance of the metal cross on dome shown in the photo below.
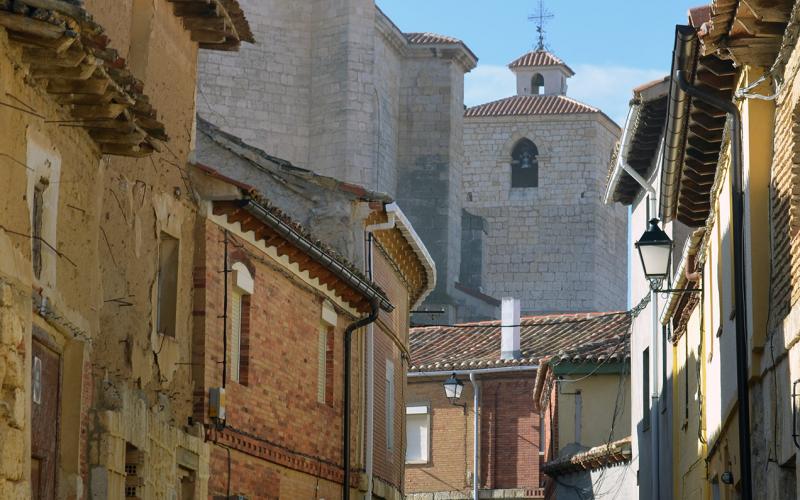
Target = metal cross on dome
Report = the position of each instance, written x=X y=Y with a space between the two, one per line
x=541 y=17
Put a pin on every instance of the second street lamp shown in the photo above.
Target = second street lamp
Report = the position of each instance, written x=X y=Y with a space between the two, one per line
x=655 y=252
x=452 y=390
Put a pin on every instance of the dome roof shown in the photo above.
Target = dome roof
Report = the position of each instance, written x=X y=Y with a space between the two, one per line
x=538 y=59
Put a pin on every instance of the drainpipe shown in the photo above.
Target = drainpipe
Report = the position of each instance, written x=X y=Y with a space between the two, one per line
x=740 y=309
x=655 y=396
x=348 y=338
x=476 y=396
x=370 y=379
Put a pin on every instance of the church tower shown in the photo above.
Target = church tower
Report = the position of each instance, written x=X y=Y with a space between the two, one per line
x=540 y=73
x=534 y=225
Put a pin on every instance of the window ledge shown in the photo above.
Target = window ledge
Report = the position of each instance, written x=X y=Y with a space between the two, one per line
x=417 y=462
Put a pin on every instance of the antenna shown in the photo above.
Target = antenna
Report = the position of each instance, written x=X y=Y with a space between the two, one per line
x=541 y=18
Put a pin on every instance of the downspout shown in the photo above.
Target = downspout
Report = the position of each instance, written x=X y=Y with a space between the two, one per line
x=740 y=309
x=370 y=379
x=476 y=395
x=348 y=338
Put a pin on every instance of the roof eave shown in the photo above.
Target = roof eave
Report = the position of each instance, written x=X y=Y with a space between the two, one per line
x=319 y=254
x=683 y=58
x=420 y=250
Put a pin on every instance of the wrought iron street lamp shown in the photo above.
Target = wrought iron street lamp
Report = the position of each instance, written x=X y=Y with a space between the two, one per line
x=452 y=390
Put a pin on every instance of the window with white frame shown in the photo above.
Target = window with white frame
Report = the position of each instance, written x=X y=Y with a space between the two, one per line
x=418 y=425
x=389 y=405
x=240 y=315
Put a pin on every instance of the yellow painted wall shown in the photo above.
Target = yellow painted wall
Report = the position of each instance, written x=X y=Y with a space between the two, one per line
x=598 y=396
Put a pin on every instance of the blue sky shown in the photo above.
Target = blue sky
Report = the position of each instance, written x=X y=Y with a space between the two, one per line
x=612 y=45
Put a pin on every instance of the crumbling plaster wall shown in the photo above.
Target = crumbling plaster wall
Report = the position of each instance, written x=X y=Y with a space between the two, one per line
x=143 y=378
x=31 y=148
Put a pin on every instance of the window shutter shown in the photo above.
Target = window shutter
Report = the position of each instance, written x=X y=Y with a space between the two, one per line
x=236 y=335
x=322 y=366
x=389 y=405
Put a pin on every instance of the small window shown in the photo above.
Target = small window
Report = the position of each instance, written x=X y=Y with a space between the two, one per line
x=537 y=84
x=168 y=253
x=418 y=424
x=646 y=389
x=325 y=366
x=240 y=321
x=389 y=405
x=134 y=464
x=524 y=165
x=36 y=229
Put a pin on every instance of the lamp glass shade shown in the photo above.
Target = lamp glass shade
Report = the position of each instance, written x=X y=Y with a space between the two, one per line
x=655 y=251
x=453 y=388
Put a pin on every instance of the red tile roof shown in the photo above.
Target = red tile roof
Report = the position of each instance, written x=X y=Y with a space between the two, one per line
x=522 y=105
x=577 y=337
x=538 y=58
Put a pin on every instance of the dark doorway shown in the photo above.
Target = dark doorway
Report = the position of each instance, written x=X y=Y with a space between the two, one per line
x=45 y=420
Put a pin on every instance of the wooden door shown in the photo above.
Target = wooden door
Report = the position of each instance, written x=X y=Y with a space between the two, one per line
x=45 y=420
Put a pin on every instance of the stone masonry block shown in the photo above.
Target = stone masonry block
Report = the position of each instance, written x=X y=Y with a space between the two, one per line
x=11 y=459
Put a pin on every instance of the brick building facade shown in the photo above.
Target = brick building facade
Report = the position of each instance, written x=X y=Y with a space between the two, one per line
x=293 y=346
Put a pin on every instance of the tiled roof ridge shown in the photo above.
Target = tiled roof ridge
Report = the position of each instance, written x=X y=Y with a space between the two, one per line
x=496 y=323
x=591 y=337
x=520 y=105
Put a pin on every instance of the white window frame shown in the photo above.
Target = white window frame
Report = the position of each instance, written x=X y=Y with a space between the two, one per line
x=420 y=409
x=243 y=284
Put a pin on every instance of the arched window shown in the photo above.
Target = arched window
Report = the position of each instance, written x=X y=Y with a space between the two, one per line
x=243 y=286
x=524 y=165
x=537 y=84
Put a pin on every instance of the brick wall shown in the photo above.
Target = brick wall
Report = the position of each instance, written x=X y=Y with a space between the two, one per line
x=450 y=464
x=389 y=464
x=275 y=420
x=509 y=436
x=509 y=433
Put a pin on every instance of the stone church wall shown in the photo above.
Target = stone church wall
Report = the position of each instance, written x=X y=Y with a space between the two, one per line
x=263 y=92
x=309 y=91
x=556 y=246
x=429 y=177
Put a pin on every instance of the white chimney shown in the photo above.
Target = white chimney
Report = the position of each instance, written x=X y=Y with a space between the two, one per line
x=509 y=319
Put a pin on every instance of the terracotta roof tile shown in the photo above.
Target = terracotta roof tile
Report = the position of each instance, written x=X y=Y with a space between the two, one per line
x=604 y=455
x=437 y=39
x=522 y=105
x=429 y=38
x=538 y=58
x=577 y=337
